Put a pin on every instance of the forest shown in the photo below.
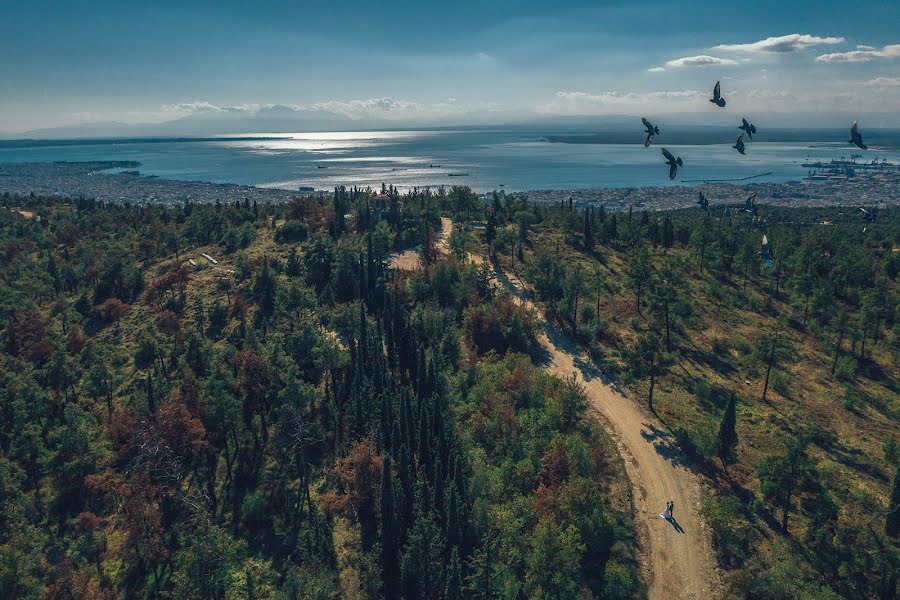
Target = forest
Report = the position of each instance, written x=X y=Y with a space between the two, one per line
x=248 y=401
x=244 y=401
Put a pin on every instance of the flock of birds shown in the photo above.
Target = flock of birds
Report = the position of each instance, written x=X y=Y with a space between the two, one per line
x=748 y=129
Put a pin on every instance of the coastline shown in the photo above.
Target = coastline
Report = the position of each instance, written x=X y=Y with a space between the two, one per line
x=94 y=180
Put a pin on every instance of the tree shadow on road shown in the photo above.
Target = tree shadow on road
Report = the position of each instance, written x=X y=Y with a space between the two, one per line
x=667 y=446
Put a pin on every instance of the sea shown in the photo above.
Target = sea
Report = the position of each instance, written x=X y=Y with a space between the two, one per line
x=483 y=159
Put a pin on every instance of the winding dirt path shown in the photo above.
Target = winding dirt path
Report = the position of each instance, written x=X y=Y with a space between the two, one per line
x=678 y=561
x=409 y=260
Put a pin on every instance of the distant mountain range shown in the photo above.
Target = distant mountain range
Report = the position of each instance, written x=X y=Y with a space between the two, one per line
x=675 y=128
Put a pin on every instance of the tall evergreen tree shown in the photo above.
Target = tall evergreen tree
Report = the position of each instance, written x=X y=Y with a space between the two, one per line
x=389 y=533
x=453 y=587
x=728 y=433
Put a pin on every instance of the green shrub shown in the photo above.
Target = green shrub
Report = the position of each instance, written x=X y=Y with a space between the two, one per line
x=852 y=401
x=720 y=346
x=700 y=444
x=291 y=232
x=732 y=532
x=618 y=581
x=845 y=369
x=502 y=326
x=781 y=383
x=702 y=389
x=742 y=345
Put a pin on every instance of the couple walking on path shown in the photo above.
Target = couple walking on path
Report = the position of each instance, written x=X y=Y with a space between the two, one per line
x=669 y=515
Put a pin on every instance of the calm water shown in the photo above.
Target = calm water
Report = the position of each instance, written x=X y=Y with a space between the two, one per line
x=493 y=160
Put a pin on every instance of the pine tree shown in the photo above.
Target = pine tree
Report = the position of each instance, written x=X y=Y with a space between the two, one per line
x=640 y=275
x=728 y=434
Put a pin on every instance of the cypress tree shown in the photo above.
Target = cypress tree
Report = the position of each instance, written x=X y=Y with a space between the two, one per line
x=728 y=434
x=407 y=475
x=490 y=232
x=668 y=233
x=453 y=587
x=389 y=537
x=452 y=533
x=424 y=451
x=438 y=486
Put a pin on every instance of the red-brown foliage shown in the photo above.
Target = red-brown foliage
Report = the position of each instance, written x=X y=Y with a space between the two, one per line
x=113 y=309
x=167 y=323
x=360 y=476
x=180 y=430
x=27 y=335
x=316 y=216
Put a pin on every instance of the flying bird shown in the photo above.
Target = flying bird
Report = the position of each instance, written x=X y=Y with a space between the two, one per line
x=766 y=252
x=869 y=216
x=703 y=202
x=856 y=137
x=717 y=98
x=673 y=163
x=750 y=204
x=749 y=128
x=652 y=131
x=739 y=144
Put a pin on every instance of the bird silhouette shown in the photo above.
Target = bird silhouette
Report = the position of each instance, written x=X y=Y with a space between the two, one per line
x=652 y=131
x=749 y=128
x=868 y=215
x=703 y=202
x=717 y=98
x=856 y=137
x=739 y=144
x=750 y=204
x=673 y=163
x=766 y=252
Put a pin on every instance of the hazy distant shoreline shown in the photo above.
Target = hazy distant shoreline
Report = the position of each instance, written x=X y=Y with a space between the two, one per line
x=677 y=134
x=93 y=180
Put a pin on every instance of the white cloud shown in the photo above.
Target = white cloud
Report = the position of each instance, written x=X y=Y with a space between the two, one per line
x=656 y=70
x=864 y=47
x=622 y=97
x=701 y=60
x=884 y=82
x=890 y=51
x=774 y=95
x=355 y=109
x=386 y=108
x=587 y=103
x=793 y=42
x=189 y=108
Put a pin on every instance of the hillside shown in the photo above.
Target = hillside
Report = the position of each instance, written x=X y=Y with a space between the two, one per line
x=821 y=442
x=233 y=401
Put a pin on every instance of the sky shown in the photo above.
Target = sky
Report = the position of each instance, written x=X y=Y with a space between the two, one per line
x=442 y=63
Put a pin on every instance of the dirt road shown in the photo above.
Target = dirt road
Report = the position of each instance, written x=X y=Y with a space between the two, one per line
x=409 y=260
x=677 y=560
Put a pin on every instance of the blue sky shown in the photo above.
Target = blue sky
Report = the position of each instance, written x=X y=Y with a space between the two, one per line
x=444 y=62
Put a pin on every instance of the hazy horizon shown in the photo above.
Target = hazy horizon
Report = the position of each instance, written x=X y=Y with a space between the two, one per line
x=99 y=65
